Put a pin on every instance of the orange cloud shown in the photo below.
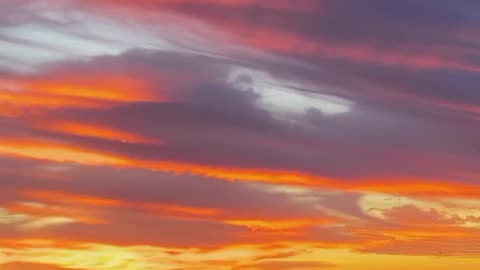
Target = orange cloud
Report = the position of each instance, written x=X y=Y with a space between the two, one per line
x=100 y=87
x=53 y=196
x=59 y=89
x=55 y=152
x=41 y=210
x=70 y=153
x=180 y=210
x=274 y=225
x=93 y=130
x=30 y=266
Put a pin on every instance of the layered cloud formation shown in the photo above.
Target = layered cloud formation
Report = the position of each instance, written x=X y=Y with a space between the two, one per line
x=239 y=134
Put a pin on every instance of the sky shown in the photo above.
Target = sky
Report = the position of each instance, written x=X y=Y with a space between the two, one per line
x=239 y=134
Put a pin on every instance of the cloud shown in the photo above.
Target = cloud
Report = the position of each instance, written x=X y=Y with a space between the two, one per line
x=297 y=265
x=30 y=266
x=410 y=230
x=188 y=124
x=210 y=134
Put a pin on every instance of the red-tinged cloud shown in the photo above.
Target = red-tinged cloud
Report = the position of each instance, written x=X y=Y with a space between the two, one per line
x=321 y=29
x=268 y=4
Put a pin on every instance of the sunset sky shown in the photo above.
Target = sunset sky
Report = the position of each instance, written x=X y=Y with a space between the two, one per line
x=239 y=134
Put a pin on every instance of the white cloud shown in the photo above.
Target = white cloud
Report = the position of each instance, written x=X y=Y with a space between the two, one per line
x=286 y=97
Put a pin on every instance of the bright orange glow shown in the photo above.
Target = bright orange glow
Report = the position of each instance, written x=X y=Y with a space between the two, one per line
x=274 y=224
x=71 y=91
x=180 y=210
x=417 y=187
x=54 y=152
x=94 y=130
x=48 y=195
x=104 y=87
x=245 y=174
x=20 y=101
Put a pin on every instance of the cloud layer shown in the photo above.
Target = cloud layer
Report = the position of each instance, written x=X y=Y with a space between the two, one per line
x=239 y=134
